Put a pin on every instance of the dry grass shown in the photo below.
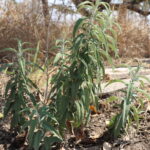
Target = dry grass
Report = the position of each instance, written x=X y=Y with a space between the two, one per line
x=22 y=22
x=134 y=40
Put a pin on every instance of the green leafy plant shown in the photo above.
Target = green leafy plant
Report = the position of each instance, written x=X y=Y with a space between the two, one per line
x=80 y=67
x=17 y=89
x=43 y=127
x=28 y=113
x=73 y=87
x=128 y=109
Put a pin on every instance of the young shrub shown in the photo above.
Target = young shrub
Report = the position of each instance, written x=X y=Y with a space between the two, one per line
x=17 y=89
x=81 y=69
x=28 y=113
x=74 y=86
x=128 y=109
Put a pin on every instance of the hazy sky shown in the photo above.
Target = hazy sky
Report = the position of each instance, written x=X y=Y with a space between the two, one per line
x=19 y=0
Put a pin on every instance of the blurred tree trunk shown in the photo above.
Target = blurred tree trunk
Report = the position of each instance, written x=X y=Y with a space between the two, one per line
x=46 y=12
x=35 y=9
x=122 y=13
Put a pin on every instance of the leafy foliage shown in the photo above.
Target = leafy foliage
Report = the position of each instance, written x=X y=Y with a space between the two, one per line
x=128 y=109
x=28 y=113
x=79 y=76
x=74 y=86
x=17 y=89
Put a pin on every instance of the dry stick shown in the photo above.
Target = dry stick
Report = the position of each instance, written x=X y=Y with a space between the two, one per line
x=47 y=29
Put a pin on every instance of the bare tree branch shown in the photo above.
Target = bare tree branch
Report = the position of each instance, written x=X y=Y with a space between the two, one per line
x=133 y=5
x=134 y=8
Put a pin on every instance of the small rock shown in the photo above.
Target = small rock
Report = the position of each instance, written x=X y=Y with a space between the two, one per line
x=107 y=146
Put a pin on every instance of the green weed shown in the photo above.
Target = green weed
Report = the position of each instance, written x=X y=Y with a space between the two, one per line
x=81 y=68
x=128 y=109
x=74 y=86
x=26 y=110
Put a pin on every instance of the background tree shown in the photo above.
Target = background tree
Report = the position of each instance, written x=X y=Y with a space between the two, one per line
x=140 y=6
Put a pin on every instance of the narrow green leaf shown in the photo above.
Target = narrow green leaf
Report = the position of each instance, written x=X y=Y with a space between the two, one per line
x=33 y=124
x=51 y=129
x=37 y=139
x=114 y=81
x=77 y=26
